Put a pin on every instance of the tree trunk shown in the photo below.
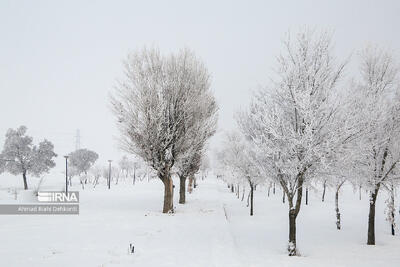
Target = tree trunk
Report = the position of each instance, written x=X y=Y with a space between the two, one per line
x=232 y=188
x=190 y=185
x=243 y=193
x=392 y=208
x=168 y=194
x=323 y=192
x=194 y=182
x=293 y=212
x=360 y=192
x=338 y=226
x=269 y=189
x=82 y=181
x=238 y=191
x=251 y=199
x=96 y=181
x=283 y=198
x=25 y=182
x=292 y=233
x=273 y=190
x=307 y=196
x=393 y=232
x=371 y=216
x=182 y=190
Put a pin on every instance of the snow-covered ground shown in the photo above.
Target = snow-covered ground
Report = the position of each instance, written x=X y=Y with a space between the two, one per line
x=212 y=229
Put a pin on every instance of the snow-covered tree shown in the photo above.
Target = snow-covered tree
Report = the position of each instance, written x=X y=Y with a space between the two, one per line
x=243 y=160
x=336 y=182
x=82 y=160
x=126 y=166
x=97 y=172
x=106 y=173
x=223 y=167
x=137 y=165
x=219 y=164
x=2 y=164
x=293 y=121
x=20 y=156
x=186 y=168
x=205 y=166
x=201 y=125
x=378 y=100
x=153 y=106
x=390 y=206
x=115 y=173
x=129 y=167
x=72 y=172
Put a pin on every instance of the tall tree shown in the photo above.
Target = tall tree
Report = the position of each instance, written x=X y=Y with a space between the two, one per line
x=20 y=156
x=293 y=121
x=153 y=106
x=378 y=99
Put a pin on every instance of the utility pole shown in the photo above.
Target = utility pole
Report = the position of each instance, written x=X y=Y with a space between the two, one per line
x=66 y=175
x=109 y=174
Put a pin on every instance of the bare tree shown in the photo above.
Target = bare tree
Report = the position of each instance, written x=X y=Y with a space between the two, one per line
x=153 y=105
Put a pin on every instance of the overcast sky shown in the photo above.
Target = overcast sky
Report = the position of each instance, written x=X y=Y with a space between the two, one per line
x=60 y=59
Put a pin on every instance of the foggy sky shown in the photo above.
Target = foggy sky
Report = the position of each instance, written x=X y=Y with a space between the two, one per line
x=60 y=59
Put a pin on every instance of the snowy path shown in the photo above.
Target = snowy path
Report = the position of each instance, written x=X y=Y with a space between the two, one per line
x=213 y=229
x=262 y=239
x=224 y=249
x=197 y=235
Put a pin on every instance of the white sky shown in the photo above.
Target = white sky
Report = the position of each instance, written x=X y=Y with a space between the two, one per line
x=60 y=59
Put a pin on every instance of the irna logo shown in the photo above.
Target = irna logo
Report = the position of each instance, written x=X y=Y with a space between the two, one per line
x=58 y=197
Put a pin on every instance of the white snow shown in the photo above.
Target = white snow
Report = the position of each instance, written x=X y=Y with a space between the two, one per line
x=212 y=229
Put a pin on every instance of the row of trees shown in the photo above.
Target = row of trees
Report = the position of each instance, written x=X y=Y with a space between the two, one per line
x=21 y=156
x=166 y=112
x=82 y=164
x=311 y=126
